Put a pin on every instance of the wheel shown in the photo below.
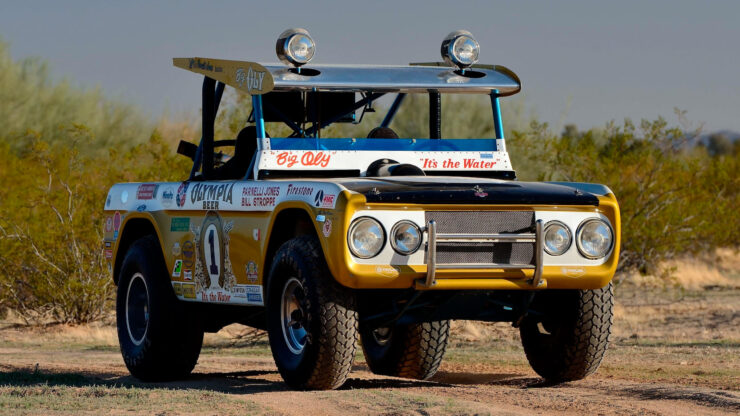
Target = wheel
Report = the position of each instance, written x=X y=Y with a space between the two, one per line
x=570 y=339
x=311 y=319
x=411 y=351
x=160 y=339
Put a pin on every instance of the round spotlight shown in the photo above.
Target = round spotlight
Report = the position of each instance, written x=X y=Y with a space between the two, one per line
x=405 y=237
x=366 y=237
x=594 y=238
x=295 y=47
x=460 y=49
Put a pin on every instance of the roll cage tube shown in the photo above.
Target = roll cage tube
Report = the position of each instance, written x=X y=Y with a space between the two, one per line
x=435 y=116
x=211 y=98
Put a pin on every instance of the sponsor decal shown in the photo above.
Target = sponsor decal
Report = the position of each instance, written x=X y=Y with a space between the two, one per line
x=215 y=297
x=387 y=271
x=456 y=164
x=176 y=249
x=178 y=288
x=253 y=293
x=326 y=229
x=182 y=192
x=307 y=159
x=108 y=244
x=188 y=252
x=116 y=224
x=573 y=272
x=141 y=208
x=250 y=78
x=110 y=268
x=256 y=234
x=188 y=290
x=323 y=200
x=299 y=190
x=177 y=270
x=187 y=274
x=211 y=194
x=108 y=224
x=204 y=65
x=168 y=195
x=251 y=269
x=259 y=196
x=124 y=196
x=479 y=192
x=179 y=224
x=108 y=253
x=146 y=191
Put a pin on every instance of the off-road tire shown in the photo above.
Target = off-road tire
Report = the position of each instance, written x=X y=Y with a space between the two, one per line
x=329 y=317
x=579 y=325
x=172 y=339
x=411 y=351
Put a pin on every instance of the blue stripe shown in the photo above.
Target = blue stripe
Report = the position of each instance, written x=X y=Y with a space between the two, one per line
x=414 y=145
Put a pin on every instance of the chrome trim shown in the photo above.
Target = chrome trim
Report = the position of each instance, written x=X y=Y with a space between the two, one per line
x=414 y=79
x=431 y=257
x=431 y=253
x=570 y=237
x=479 y=266
x=578 y=238
x=487 y=238
x=392 y=238
x=539 y=248
x=352 y=229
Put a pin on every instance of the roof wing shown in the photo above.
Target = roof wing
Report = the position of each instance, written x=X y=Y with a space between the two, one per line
x=256 y=79
x=249 y=77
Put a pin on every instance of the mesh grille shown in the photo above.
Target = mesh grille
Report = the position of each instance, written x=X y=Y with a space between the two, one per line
x=483 y=222
x=477 y=222
x=476 y=253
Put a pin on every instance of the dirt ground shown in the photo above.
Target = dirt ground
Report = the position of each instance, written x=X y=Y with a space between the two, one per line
x=673 y=352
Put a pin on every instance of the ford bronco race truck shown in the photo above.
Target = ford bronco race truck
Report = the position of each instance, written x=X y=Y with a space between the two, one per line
x=377 y=240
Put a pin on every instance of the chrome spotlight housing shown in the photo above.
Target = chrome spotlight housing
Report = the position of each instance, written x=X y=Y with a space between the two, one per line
x=295 y=47
x=460 y=49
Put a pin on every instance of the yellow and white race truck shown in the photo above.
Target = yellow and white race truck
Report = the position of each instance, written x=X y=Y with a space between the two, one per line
x=325 y=242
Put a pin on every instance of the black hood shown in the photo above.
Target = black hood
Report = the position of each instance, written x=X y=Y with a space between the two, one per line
x=446 y=190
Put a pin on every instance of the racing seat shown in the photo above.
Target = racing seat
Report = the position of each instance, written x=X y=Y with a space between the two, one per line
x=245 y=150
x=382 y=133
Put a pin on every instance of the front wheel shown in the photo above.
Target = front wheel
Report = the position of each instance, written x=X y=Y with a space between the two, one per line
x=311 y=319
x=411 y=351
x=569 y=336
x=159 y=339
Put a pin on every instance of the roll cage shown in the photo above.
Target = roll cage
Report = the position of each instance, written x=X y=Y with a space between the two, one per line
x=327 y=95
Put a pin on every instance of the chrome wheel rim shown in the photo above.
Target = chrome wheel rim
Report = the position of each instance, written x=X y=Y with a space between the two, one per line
x=292 y=316
x=137 y=309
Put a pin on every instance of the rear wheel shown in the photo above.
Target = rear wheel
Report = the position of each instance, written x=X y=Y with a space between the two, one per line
x=160 y=339
x=570 y=337
x=311 y=319
x=411 y=351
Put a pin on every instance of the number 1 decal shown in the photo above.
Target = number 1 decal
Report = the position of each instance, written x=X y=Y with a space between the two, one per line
x=214 y=267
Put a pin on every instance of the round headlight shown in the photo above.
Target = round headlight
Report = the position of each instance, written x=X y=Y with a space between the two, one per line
x=595 y=238
x=557 y=238
x=460 y=49
x=405 y=237
x=366 y=237
x=295 y=47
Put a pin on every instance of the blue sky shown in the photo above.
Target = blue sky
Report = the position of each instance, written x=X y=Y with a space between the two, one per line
x=585 y=62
